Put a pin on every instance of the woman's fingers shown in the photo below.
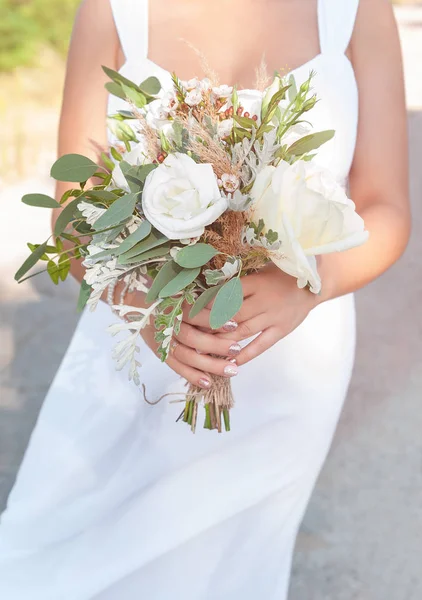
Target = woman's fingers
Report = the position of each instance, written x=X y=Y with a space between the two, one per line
x=195 y=377
x=247 y=329
x=265 y=340
x=202 y=320
x=203 y=362
x=207 y=342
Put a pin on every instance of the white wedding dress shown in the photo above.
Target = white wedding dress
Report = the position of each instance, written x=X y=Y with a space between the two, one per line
x=114 y=500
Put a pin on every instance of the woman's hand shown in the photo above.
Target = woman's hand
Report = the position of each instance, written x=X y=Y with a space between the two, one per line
x=273 y=307
x=191 y=349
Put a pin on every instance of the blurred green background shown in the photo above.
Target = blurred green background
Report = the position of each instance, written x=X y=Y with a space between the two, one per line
x=28 y=25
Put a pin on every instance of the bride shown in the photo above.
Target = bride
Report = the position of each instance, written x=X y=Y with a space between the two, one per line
x=114 y=501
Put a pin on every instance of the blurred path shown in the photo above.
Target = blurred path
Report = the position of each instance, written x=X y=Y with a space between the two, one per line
x=361 y=538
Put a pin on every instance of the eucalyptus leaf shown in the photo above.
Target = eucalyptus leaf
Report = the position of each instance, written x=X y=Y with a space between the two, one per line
x=40 y=200
x=227 y=303
x=74 y=168
x=158 y=252
x=134 y=238
x=150 y=86
x=84 y=295
x=195 y=256
x=66 y=216
x=119 y=79
x=103 y=195
x=154 y=239
x=115 y=89
x=163 y=277
x=121 y=209
x=134 y=96
x=182 y=280
x=203 y=300
x=31 y=261
x=310 y=142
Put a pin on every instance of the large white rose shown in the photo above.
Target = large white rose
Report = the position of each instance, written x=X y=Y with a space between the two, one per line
x=181 y=197
x=310 y=212
x=137 y=156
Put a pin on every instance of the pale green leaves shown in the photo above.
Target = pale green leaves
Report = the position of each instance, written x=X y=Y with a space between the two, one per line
x=84 y=295
x=195 y=256
x=74 y=168
x=31 y=261
x=123 y=88
x=154 y=240
x=67 y=215
x=180 y=282
x=203 y=300
x=310 y=142
x=164 y=276
x=119 y=211
x=227 y=303
x=41 y=200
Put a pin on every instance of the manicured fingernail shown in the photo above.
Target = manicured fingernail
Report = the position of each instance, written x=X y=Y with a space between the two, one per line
x=198 y=351
x=230 y=326
x=205 y=383
x=233 y=360
x=235 y=349
x=231 y=370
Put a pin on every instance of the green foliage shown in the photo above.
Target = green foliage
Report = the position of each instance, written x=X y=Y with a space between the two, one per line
x=227 y=303
x=26 y=25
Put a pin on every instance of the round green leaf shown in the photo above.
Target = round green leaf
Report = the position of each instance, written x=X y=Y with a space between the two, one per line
x=150 y=86
x=182 y=280
x=74 y=168
x=41 y=200
x=227 y=303
x=195 y=256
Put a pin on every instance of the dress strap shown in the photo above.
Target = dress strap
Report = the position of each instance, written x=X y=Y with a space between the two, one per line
x=336 y=22
x=132 y=24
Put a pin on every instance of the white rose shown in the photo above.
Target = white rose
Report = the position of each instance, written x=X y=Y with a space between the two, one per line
x=310 y=212
x=137 y=156
x=225 y=128
x=181 y=197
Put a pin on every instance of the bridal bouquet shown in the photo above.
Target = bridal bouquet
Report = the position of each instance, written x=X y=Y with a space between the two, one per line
x=206 y=184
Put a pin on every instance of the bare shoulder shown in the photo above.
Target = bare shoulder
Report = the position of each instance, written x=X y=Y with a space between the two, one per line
x=94 y=24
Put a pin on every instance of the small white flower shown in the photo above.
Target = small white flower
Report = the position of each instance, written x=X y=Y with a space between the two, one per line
x=193 y=98
x=225 y=128
x=222 y=91
x=205 y=85
x=169 y=104
x=191 y=84
x=296 y=132
x=230 y=183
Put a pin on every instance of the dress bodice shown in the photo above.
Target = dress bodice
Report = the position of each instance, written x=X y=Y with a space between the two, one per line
x=334 y=81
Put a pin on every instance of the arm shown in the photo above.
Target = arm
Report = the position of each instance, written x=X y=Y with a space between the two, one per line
x=379 y=175
x=379 y=187
x=83 y=131
x=82 y=127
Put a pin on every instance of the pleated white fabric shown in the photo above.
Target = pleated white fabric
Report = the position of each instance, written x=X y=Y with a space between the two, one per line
x=114 y=501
